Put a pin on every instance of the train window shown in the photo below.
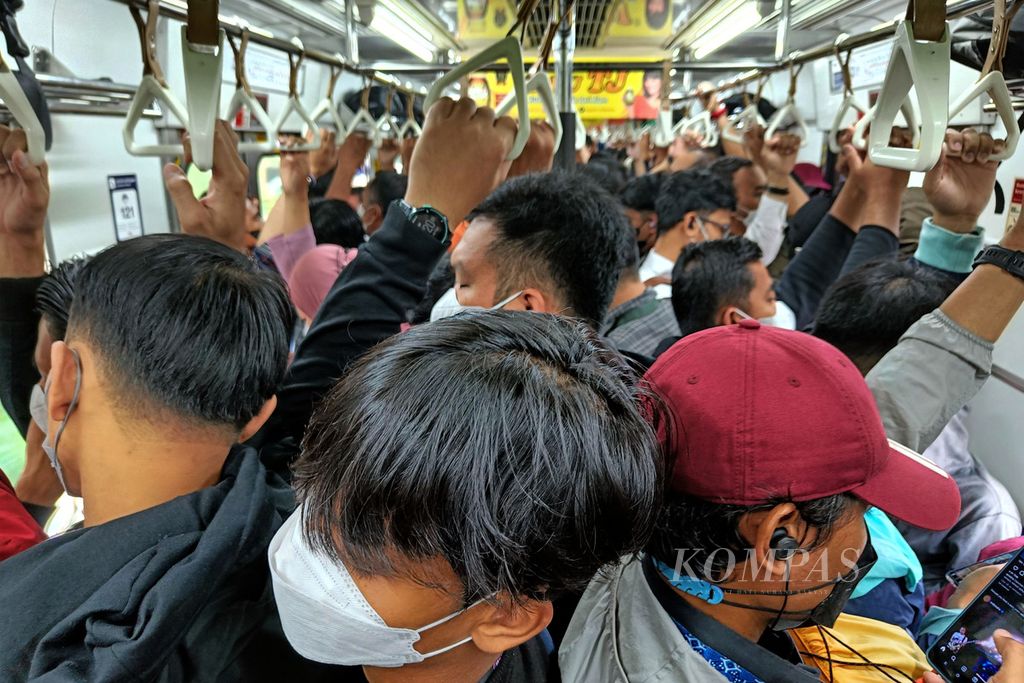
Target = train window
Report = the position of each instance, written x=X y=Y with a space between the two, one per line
x=268 y=176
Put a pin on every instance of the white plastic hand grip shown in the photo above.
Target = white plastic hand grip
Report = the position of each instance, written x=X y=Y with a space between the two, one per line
x=14 y=97
x=849 y=104
x=386 y=127
x=788 y=110
x=341 y=116
x=747 y=118
x=294 y=104
x=663 y=135
x=923 y=65
x=510 y=49
x=860 y=130
x=995 y=85
x=243 y=99
x=149 y=90
x=703 y=126
x=364 y=124
x=540 y=84
x=203 y=76
x=581 y=133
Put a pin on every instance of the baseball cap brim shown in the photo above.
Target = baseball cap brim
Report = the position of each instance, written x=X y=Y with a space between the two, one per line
x=911 y=488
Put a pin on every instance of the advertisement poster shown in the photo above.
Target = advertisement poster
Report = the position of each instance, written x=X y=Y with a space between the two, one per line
x=644 y=19
x=599 y=95
x=1017 y=200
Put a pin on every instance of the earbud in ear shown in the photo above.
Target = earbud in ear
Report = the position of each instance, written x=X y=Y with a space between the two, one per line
x=783 y=544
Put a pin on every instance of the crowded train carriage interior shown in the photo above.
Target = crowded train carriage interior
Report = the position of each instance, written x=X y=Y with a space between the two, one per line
x=595 y=341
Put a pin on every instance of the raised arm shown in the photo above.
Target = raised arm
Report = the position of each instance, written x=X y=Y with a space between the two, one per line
x=457 y=162
x=24 y=198
x=945 y=358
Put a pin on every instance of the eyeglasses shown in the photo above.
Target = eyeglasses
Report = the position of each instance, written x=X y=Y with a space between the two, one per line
x=704 y=220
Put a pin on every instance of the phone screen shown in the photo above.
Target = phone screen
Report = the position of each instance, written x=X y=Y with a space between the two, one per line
x=957 y=576
x=967 y=651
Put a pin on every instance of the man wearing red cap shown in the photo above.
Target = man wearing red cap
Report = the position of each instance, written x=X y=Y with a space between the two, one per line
x=762 y=529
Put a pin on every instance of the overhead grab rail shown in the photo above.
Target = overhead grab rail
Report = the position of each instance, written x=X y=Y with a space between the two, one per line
x=789 y=110
x=176 y=9
x=850 y=102
x=152 y=87
x=341 y=116
x=243 y=97
x=991 y=79
x=920 y=60
x=294 y=104
x=410 y=127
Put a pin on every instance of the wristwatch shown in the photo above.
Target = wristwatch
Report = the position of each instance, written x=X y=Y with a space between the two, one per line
x=428 y=219
x=1009 y=260
x=779 y=191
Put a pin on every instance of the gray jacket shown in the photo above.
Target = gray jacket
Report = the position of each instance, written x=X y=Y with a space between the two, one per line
x=621 y=634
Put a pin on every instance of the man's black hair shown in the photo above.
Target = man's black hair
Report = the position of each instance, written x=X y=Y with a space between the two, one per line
x=727 y=166
x=557 y=229
x=55 y=294
x=710 y=275
x=441 y=280
x=606 y=171
x=513 y=445
x=629 y=253
x=691 y=190
x=386 y=187
x=700 y=529
x=184 y=324
x=641 y=193
x=335 y=222
x=866 y=311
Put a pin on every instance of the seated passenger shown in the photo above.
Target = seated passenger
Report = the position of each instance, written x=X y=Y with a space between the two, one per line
x=693 y=206
x=762 y=527
x=638 y=320
x=429 y=542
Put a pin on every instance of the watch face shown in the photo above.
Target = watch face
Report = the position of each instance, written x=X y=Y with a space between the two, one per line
x=431 y=222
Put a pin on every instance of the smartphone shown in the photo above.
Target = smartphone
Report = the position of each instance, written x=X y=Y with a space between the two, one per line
x=966 y=652
x=956 y=576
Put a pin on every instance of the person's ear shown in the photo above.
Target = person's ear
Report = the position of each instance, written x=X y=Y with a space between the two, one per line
x=62 y=380
x=372 y=216
x=689 y=227
x=759 y=528
x=256 y=423
x=510 y=626
x=728 y=316
x=533 y=300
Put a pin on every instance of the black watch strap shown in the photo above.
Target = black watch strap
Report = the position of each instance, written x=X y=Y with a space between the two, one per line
x=779 y=191
x=428 y=219
x=1009 y=260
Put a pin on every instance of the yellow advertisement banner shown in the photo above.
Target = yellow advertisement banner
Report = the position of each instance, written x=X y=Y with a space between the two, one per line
x=647 y=19
x=599 y=95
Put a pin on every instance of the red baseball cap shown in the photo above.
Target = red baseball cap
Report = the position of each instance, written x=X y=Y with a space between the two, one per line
x=761 y=413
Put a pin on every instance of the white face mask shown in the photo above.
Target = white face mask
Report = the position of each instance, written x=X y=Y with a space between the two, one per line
x=325 y=616
x=784 y=317
x=37 y=408
x=448 y=305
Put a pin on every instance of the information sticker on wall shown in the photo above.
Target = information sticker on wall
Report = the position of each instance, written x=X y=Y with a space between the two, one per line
x=1016 y=202
x=124 y=201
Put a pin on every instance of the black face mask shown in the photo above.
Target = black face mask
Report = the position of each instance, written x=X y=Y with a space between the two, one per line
x=827 y=611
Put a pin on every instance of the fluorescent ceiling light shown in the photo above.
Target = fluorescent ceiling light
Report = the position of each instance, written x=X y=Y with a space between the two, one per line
x=742 y=16
x=405 y=34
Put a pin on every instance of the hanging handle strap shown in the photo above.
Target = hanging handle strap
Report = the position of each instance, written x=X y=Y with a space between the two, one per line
x=239 y=50
x=928 y=18
x=203 y=27
x=844 y=65
x=147 y=38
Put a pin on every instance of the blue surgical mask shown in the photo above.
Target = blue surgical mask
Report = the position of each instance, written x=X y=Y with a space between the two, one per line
x=51 y=451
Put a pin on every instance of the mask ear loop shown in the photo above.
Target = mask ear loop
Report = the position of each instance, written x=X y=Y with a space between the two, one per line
x=74 y=400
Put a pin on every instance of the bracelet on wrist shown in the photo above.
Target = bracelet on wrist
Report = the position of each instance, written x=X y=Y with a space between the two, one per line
x=780 y=191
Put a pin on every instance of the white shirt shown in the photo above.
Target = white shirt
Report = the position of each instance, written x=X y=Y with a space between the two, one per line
x=767 y=226
x=656 y=265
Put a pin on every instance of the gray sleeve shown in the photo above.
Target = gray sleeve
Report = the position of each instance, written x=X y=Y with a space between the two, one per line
x=932 y=373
